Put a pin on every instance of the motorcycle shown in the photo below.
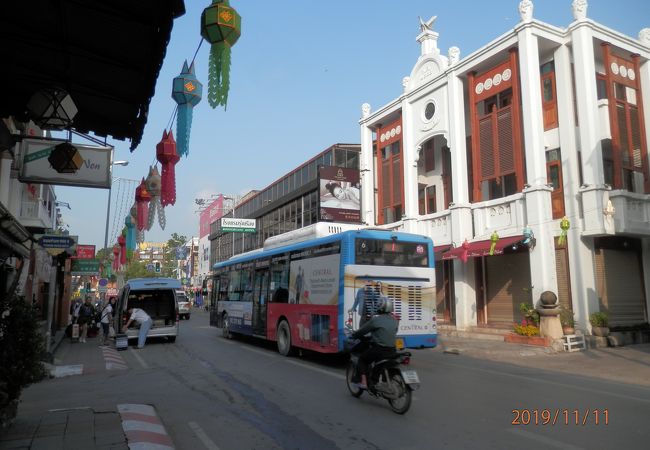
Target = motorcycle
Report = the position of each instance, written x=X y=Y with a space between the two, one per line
x=387 y=378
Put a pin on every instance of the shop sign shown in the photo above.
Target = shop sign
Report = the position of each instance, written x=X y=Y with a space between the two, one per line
x=85 y=251
x=85 y=267
x=230 y=225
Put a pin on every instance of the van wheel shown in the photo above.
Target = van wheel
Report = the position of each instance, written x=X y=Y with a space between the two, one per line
x=225 y=327
x=284 y=339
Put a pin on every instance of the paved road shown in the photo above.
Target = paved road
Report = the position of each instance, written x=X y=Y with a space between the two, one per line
x=212 y=393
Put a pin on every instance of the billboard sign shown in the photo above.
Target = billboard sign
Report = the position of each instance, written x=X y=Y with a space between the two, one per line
x=94 y=164
x=85 y=251
x=230 y=225
x=85 y=267
x=209 y=215
x=340 y=194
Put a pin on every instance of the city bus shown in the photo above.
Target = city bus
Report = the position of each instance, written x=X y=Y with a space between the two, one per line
x=301 y=292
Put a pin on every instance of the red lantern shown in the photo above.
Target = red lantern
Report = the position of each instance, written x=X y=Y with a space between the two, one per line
x=168 y=157
x=116 y=258
x=142 y=198
x=464 y=254
x=121 y=240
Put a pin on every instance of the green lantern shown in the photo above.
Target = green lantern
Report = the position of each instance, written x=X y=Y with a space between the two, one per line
x=221 y=27
x=493 y=242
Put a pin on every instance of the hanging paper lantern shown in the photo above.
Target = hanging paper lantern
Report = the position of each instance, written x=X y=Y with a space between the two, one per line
x=116 y=258
x=221 y=27
x=464 y=253
x=153 y=186
x=564 y=226
x=493 y=242
x=142 y=198
x=130 y=232
x=166 y=154
x=121 y=241
x=186 y=91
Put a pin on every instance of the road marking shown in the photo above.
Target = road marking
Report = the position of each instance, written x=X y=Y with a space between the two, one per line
x=555 y=383
x=209 y=444
x=547 y=441
x=113 y=359
x=140 y=360
x=259 y=352
x=316 y=369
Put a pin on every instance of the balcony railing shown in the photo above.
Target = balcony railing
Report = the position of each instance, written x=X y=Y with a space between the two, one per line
x=505 y=215
x=36 y=215
x=437 y=226
x=631 y=213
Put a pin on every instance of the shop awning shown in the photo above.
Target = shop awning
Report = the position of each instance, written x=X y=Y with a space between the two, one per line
x=482 y=248
x=105 y=54
x=438 y=250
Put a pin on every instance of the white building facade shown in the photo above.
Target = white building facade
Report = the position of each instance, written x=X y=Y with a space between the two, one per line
x=487 y=154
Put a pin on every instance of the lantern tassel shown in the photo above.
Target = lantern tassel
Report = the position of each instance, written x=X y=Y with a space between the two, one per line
x=219 y=76
x=183 y=129
x=168 y=185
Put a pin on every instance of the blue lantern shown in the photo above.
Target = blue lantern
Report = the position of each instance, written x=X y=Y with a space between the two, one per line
x=186 y=91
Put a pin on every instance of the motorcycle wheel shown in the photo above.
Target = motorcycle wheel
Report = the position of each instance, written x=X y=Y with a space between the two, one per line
x=401 y=404
x=354 y=390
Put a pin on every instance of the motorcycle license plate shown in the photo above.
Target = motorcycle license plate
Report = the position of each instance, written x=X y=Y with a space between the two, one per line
x=399 y=343
x=410 y=376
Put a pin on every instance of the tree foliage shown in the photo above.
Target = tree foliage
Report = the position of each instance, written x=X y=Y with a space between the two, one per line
x=169 y=257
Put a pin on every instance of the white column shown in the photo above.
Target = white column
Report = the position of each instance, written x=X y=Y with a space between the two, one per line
x=538 y=197
x=587 y=104
x=465 y=294
x=367 y=177
x=645 y=96
x=410 y=181
x=457 y=141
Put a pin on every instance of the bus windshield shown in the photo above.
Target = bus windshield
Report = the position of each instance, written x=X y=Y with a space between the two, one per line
x=388 y=252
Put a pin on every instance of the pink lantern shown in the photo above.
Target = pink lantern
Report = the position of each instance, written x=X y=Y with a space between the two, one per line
x=142 y=198
x=166 y=154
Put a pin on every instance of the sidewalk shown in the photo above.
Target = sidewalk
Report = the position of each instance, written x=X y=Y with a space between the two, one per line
x=629 y=364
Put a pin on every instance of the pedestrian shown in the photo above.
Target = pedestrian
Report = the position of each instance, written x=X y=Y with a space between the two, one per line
x=74 y=311
x=86 y=314
x=107 y=319
x=145 y=322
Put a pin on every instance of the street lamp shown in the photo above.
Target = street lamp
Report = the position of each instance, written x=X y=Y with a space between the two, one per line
x=108 y=207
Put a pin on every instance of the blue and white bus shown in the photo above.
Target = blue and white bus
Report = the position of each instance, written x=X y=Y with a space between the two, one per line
x=299 y=290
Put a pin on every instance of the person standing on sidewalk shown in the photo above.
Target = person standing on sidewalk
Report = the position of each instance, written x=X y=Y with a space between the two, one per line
x=86 y=314
x=145 y=322
x=106 y=319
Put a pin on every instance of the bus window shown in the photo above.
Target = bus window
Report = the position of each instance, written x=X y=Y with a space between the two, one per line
x=388 y=252
x=279 y=287
x=234 y=285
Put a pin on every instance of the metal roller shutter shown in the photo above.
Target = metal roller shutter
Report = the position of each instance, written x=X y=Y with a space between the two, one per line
x=508 y=285
x=620 y=287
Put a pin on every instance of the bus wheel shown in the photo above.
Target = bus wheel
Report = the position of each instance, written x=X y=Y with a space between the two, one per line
x=284 y=339
x=225 y=327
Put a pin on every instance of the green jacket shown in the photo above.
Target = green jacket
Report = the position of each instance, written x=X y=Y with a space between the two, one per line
x=382 y=329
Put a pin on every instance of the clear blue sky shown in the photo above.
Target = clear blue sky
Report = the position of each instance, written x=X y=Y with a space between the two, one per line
x=299 y=74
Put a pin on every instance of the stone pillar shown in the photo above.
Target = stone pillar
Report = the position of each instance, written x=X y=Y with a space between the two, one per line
x=410 y=181
x=457 y=142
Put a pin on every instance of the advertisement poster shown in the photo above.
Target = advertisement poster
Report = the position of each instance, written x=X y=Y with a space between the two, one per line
x=85 y=251
x=340 y=194
x=315 y=281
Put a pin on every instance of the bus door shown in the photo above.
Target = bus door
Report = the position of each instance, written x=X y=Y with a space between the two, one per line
x=216 y=287
x=260 y=300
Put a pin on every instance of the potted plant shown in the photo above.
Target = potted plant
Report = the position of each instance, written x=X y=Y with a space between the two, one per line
x=567 y=321
x=599 y=324
x=530 y=313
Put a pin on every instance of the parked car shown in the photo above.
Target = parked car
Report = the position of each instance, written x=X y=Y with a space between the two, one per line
x=184 y=305
x=158 y=298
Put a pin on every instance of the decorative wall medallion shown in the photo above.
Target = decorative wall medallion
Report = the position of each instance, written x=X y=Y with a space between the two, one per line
x=623 y=71
x=488 y=84
x=398 y=130
x=497 y=79
x=478 y=89
x=614 y=68
x=507 y=74
x=383 y=137
x=392 y=132
x=630 y=74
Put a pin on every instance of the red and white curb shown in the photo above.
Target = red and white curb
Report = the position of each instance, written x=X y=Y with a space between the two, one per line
x=66 y=371
x=113 y=359
x=143 y=428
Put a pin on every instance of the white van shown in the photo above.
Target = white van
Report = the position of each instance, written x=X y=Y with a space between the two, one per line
x=157 y=297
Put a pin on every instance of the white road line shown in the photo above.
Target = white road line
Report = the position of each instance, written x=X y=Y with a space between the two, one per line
x=316 y=369
x=547 y=441
x=259 y=352
x=209 y=444
x=140 y=360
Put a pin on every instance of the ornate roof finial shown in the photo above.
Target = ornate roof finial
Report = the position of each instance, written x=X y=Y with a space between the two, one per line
x=365 y=110
x=428 y=38
x=579 y=8
x=428 y=25
x=526 y=10
x=644 y=36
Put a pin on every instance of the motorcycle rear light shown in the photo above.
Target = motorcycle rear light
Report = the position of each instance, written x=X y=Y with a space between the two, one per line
x=406 y=361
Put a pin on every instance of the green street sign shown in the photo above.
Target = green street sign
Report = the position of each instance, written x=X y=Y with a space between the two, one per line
x=230 y=225
x=85 y=267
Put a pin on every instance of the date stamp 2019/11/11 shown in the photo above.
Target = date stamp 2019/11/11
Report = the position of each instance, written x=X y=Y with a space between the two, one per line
x=560 y=416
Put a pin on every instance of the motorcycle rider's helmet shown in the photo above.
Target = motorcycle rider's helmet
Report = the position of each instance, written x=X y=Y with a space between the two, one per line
x=385 y=306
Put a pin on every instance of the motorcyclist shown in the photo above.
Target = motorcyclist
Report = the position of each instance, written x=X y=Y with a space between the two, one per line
x=382 y=329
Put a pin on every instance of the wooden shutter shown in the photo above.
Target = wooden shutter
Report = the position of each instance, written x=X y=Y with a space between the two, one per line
x=486 y=148
x=505 y=142
x=508 y=285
